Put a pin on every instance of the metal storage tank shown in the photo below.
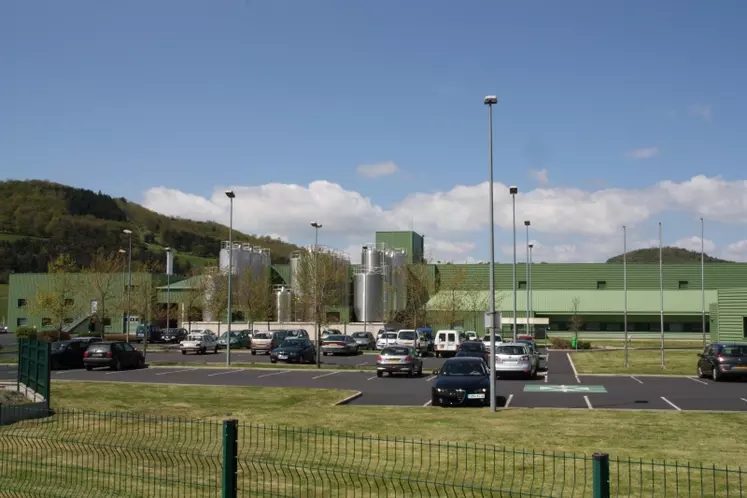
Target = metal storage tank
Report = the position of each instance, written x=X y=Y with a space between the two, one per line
x=368 y=297
x=170 y=262
x=370 y=258
x=294 y=267
x=283 y=302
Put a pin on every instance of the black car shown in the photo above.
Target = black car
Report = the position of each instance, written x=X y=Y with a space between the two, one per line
x=294 y=349
x=116 y=355
x=721 y=360
x=173 y=335
x=67 y=354
x=462 y=381
x=472 y=349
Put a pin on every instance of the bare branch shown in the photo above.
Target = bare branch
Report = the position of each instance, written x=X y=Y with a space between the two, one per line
x=322 y=282
x=575 y=322
x=102 y=277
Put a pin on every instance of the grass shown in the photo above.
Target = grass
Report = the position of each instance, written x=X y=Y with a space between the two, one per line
x=8 y=359
x=8 y=397
x=649 y=343
x=640 y=361
x=166 y=457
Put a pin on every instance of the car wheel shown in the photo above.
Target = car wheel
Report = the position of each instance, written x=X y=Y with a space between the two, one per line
x=89 y=368
x=273 y=361
x=117 y=365
x=434 y=401
x=184 y=352
x=215 y=351
x=324 y=353
x=438 y=355
x=715 y=375
x=254 y=352
x=141 y=363
x=410 y=373
x=701 y=374
x=379 y=373
x=420 y=371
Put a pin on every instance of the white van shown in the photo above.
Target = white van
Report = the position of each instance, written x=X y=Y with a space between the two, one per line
x=410 y=338
x=447 y=342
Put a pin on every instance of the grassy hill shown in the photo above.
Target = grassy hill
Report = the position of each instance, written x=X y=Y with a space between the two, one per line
x=669 y=255
x=40 y=219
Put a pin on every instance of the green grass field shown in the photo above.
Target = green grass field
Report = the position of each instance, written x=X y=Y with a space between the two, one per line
x=640 y=362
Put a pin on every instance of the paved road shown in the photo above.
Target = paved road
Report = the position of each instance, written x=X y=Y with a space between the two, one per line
x=560 y=388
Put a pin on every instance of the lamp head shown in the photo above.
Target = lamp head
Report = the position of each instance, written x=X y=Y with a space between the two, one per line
x=490 y=100
x=513 y=190
x=167 y=249
x=316 y=224
x=531 y=245
x=230 y=194
x=122 y=251
x=527 y=223
x=127 y=231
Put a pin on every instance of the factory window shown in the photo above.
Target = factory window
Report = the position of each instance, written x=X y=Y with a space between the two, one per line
x=46 y=322
x=601 y=284
x=522 y=284
x=744 y=327
x=683 y=284
x=69 y=302
x=21 y=303
x=20 y=322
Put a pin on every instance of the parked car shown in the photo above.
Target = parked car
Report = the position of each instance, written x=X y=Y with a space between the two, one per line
x=67 y=354
x=365 y=340
x=386 y=339
x=298 y=333
x=174 y=335
x=339 y=344
x=199 y=342
x=516 y=358
x=154 y=333
x=116 y=355
x=486 y=341
x=448 y=342
x=471 y=335
x=265 y=342
x=410 y=338
x=533 y=349
x=462 y=381
x=239 y=339
x=399 y=359
x=721 y=360
x=473 y=349
x=294 y=349
x=3 y=329
x=427 y=332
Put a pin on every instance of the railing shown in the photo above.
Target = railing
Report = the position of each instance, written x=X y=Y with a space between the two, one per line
x=90 y=454
x=33 y=366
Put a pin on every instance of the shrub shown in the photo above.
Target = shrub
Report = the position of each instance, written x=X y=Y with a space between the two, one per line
x=115 y=337
x=562 y=343
x=26 y=332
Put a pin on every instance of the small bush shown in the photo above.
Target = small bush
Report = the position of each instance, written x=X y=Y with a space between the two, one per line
x=26 y=332
x=52 y=336
x=115 y=337
x=562 y=343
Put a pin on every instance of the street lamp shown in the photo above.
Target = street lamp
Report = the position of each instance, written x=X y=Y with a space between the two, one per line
x=625 y=292
x=231 y=196
x=702 y=280
x=661 y=297
x=529 y=309
x=513 y=191
x=129 y=280
x=316 y=226
x=529 y=283
x=169 y=271
x=489 y=101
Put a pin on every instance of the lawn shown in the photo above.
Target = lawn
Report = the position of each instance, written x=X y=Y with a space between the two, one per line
x=304 y=458
x=640 y=362
x=645 y=343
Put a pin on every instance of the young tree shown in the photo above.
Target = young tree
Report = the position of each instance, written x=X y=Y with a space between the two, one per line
x=102 y=278
x=576 y=321
x=57 y=301
x=144 y=295
x=214 y=287
x=322 y=278
x=452 y=303
x=417 y=294
x=254 y=295
x=193 y=298
x=477 y=302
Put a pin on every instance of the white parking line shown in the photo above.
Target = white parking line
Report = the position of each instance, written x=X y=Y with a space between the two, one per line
x=547 y=376
x=575 y=372
x=588 y=403
x=175 y=371
x=671 y=404
x=430 y=378
x=60 y=372
x=273 y=373
x=744 y=399
x=362 y=364
x=508 y=401
x=372 y=377
x=428 y=403
x=224 y=373
x=324 y=375
x=636 y=379
x=698 y=380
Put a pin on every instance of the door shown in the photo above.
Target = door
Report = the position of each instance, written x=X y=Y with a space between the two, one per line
x=130 y=353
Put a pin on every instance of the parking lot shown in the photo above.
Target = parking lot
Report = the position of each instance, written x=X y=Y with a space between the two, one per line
x=559 y=387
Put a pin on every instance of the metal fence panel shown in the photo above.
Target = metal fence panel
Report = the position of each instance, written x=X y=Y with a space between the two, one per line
x=33 y=365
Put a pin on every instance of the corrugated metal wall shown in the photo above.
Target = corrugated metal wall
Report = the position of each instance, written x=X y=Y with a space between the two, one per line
x=732 y=308
x=713 y=318
x=281 y=274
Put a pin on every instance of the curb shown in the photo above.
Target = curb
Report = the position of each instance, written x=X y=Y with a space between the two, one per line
x=349 y=399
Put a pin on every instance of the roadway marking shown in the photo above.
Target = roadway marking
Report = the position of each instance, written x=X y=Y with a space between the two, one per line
x=744 y=399
x=273 y=373
x=588 y=403
x=698 y=380
x=428 y=403
x=431 y=378
x=575 y=372
x=372 y=377
x=636 y=379
x=671 y=404
x=61 y=372
x=547 y=376
x=224 y=373
x=508 y=401
x=324 y=375
x=564 y=389
x=175 y=371
x=362 y=364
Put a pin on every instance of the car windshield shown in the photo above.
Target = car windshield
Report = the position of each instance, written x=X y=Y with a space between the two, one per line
x=472 y=347
x=360 y=335
x=59 y=346
x=395 y=352
x=291 y=343
x=511 y=350
x=194 y=337
x=734 y=351
x=334 y=337
x=389 y=335
x=233 y=335
x=408 y=336
x=262 y=335
x=464 y=368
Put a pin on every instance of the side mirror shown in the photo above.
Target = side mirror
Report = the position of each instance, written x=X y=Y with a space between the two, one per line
x=435 y=372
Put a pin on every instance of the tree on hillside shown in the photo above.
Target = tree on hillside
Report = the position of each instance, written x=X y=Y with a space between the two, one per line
x=144 y=296
x=322 y=279
x=451 y=292
x=102 y=278
x=57 y=302
x=254 y=295
x=669 y=255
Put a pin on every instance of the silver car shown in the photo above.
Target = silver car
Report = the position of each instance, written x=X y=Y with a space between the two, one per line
x=515 y=358
x=339 y=344
x=399 y=359
x=365 y=340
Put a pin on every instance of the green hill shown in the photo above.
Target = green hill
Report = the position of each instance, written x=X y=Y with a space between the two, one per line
x=40 y=219
x=669 y=255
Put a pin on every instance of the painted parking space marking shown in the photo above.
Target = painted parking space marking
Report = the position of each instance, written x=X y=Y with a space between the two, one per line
x=324 y=375
x=431 y=378
x=173 y=371
x=744 y=399
x=588 y=403
x=362 y=364
x=428 y=403
x=508 y=401
x=636 y=379
x=224 y=373
x=273 y=373
x=671 y=404
x=564 y=389
x=698 y=380
x=573 y=366
x=372 y=377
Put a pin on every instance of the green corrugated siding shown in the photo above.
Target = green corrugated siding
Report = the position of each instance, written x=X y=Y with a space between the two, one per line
x=412 y=242
x=732 y=308
x=3 y=303
x=281 y=274
x=586 y=276
x=713 y=315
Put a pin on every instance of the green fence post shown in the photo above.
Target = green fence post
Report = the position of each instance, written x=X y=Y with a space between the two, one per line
x=230 y=458
x=601 y=475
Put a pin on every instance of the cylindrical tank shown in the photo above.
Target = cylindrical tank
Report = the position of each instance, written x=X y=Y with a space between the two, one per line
x=367 y=293
x=295 y=262
x=371 y=258
x=283 y=302
x=170 y=262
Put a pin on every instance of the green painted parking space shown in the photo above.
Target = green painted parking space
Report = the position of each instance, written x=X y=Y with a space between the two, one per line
x=564 y=389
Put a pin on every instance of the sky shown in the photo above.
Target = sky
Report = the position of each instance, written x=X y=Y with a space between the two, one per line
x=369 y=116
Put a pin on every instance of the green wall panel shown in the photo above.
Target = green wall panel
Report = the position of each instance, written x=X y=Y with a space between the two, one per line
x=732 y=308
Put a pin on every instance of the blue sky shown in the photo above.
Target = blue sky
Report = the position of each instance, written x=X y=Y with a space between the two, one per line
x=194 y=95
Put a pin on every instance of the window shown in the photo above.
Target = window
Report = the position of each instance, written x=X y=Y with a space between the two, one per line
x=69 y=302
x=683 y=284
x=21 y=303
x=601 y=284
x=522 y=284
x=128 y=347
x=20 y=322
x=744 y=327
x=46 y=322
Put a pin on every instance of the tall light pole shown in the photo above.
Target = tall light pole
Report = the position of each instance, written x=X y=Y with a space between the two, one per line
x=169 y=271
x=526 y=224
x=529 y=286
x=316 y=226
x=513 y=191
x=625 y=292
x=129 y=281
x=702 y=280
x=231 y=196
x=661 y=297
x=491 y=100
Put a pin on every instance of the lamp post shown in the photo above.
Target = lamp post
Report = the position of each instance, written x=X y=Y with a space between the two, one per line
x=231 y=196
x=129 y=279
x=625 y=292
x=316 y=226
x=490 y=100
x=529 y=286
x=661 y=298
x=513 y=191
x=526 y=224
x=169 y=271
x=702 y=280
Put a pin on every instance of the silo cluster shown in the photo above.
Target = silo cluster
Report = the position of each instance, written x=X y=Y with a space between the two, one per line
x=379 y=288
x=244 y=257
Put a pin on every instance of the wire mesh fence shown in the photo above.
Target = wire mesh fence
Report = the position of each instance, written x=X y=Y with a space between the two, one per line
x=75 y=453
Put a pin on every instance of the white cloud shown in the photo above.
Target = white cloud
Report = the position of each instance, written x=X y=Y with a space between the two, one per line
x=571 y=224
x=377 y=170
x=736 y=251
x=643 y=153
x=701 y=111
x=693 y=244
x=540 y=176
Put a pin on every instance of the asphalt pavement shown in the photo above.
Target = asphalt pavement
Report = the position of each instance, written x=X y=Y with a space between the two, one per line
x=559 y=387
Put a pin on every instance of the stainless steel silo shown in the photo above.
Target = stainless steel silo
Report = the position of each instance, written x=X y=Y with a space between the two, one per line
x=295 y=263
x=283 y=302
x=368 y=297
x=371 y=258
x=223 y=256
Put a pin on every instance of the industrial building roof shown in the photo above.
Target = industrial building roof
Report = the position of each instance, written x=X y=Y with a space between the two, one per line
x=187 y=283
